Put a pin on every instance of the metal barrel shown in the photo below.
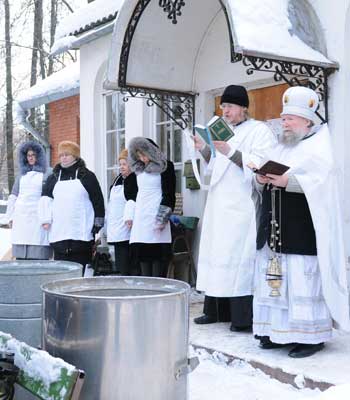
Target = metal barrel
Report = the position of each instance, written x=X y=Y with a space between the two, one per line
x=21 y=296
x=129 y=335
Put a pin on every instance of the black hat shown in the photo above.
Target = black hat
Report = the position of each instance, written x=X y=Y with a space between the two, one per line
x=235 y=94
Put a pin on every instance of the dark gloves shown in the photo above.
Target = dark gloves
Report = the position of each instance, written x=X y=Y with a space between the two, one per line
x=163 y=215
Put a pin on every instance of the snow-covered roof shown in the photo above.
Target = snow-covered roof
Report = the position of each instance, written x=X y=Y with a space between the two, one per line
x=61 y=84
x=85 y=18
x=266 y=27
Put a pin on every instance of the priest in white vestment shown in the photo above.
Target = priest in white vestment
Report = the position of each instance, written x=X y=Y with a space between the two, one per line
x=227 y=245
x=300 y=237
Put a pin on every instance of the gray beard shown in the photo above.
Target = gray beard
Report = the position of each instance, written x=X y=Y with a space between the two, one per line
x=291 y=138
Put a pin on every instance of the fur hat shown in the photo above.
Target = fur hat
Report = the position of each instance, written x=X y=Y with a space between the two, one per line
x=146 y=146
x=37 y=148
x=235 y=94
x=123 y=155
x=69 y=147
x=300 y=101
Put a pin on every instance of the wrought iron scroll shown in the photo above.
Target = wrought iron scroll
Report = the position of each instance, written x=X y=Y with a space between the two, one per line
x=129 y=34
x=294 y=74
x=173 y=8
x=179 y=107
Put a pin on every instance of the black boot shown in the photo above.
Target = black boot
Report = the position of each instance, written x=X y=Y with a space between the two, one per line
x=265 y=343
x=205 y=319
x=240 y=328
x=305 y=350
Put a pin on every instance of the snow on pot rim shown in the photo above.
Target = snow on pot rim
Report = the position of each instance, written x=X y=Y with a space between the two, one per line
x=138 y=287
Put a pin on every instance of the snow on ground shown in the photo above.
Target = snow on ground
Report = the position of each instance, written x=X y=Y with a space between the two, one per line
x=274 y=36
x=330 y=365
x=341 y=392
x=93 y=12
x=214 y=379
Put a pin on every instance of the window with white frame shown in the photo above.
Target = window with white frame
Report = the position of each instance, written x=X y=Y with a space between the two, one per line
x=169 y=139
x=115 y=132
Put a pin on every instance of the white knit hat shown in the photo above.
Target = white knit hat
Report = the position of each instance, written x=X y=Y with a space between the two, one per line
x=301 y=101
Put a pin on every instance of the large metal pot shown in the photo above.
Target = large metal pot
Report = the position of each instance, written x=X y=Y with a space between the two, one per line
x=20 y=294
x=130 y=335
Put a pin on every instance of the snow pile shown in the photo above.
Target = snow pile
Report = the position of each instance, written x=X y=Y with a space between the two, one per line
x=59 y=82
x=37 y=364
x=63 y=44
x=341 y=392
x=216 y=378
x=264 y=26
x=84 y=16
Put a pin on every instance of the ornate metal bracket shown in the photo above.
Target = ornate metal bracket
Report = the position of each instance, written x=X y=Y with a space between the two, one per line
x=179 y=107
x=294 y=74
x=173 y=8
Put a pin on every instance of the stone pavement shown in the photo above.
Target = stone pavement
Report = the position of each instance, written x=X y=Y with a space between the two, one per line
x=322 y=370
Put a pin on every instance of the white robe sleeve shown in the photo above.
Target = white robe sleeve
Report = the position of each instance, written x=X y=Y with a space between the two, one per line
x=45 y=210
x=264 y=140
x=10 y=209
x=129 y=210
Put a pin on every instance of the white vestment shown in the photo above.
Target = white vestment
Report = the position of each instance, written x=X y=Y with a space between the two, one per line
x=314 y=288
x=227 y=245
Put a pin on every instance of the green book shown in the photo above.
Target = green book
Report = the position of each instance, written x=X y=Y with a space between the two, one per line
x=218 y=128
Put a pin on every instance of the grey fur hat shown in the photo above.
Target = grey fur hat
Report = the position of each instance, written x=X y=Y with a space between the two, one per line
x=40 y=165
x=146 y=146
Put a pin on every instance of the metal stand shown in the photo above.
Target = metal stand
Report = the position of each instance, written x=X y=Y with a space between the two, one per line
x=8 y=375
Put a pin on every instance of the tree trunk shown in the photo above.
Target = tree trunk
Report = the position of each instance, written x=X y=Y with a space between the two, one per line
x=37 y=54
x=9 y=98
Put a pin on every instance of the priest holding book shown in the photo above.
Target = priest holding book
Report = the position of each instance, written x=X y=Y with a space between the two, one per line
x=227 y=245
x=301 y=286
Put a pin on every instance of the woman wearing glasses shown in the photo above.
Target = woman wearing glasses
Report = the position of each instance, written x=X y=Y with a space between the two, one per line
x=29 y=239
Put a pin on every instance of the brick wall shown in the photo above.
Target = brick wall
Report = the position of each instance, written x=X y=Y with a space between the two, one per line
x=64 y=123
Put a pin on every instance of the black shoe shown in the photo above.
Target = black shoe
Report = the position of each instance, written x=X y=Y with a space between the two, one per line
x=205 y=319
x=305 y=350
x=240 y=328
x=266 y=344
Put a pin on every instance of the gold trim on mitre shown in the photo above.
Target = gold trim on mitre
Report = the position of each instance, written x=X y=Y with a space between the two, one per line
x=286 y=99
x=311 y=103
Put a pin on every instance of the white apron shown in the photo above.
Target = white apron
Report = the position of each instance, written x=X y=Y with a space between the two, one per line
x=72 y=211
x=26 y=228
x=228 y=239
x=148 y=200
x=117 y=231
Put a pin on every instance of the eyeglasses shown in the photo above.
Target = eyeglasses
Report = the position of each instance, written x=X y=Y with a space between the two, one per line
x=31 y=155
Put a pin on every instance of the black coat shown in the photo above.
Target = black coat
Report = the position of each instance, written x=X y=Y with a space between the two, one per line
x=88 y=180
x=168 y=183
x=297 y=229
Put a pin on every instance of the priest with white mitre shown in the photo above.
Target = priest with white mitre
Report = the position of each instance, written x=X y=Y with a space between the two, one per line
x=300 y=282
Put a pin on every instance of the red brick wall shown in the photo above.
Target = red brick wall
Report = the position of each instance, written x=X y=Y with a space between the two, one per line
x=64 y=123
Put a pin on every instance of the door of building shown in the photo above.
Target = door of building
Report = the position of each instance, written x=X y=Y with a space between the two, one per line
x=264 y=103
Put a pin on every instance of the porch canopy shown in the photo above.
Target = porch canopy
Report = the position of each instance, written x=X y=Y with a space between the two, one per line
x=166 y=47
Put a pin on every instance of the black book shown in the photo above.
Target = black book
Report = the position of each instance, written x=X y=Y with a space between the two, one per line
x=271 y=167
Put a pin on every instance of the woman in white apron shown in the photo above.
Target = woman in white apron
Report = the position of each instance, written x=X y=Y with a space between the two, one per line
x=149 y=206
x=118 y=233
x=72 y=207
x=29 y=239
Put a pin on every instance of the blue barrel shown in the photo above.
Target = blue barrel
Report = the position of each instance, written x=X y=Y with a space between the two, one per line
x=21 y=296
